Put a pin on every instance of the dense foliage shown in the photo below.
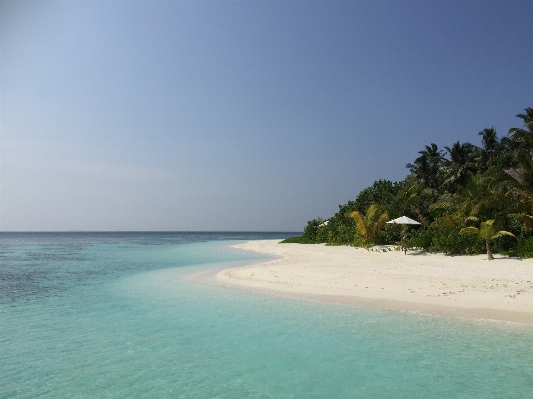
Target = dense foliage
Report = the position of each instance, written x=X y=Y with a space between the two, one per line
x=455 y=193
x=297 y=240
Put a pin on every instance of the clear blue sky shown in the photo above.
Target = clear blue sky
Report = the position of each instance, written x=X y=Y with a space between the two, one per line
x=251 y=115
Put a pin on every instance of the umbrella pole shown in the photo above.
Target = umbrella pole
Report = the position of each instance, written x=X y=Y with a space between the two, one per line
x=404 y=237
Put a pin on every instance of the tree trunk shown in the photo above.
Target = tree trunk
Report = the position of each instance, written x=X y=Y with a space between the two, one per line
x=489 y=251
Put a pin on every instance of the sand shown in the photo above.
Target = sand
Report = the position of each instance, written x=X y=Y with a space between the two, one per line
x=462 y=286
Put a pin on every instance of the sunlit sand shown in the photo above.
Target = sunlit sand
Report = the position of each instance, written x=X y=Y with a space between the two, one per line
x=463 y=286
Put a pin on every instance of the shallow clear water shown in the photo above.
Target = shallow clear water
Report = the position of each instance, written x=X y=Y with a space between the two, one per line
x=116 y=315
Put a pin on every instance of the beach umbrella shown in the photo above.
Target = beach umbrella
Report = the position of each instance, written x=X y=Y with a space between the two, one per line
x=403 y=220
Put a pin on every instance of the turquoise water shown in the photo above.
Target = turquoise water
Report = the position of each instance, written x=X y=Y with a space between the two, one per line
x=118 y=316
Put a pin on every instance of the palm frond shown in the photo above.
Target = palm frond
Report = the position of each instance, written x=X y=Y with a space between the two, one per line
x=360 y=223
x=527 y=222
x=471 y=230
x=502 y=233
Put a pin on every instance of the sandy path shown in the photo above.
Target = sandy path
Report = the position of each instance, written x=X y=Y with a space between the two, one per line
x=467 y=286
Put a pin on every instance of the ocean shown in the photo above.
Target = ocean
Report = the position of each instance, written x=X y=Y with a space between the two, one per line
x=118 y=315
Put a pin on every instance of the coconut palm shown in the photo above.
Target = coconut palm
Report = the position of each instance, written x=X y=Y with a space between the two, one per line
x=468 y=201
x=455 y=171
x=370 y=224
x=411 y=199
x=517 y=182
x=527 y=222
x=490 y=146
x=521 y=140
x=426 y=167
x=520 y=183
x=488 y=232
x=524 y=137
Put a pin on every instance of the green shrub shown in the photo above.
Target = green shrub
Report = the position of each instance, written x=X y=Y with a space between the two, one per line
x=390 y=234
x=359 y=242
x=297 y=240
x=506 y=244
x=524 y=248
x=444 y=239
x=315 y=231
x=448 y=240
x=420 y=239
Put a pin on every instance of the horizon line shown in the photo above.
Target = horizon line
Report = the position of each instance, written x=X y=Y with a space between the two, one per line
x=145 y=231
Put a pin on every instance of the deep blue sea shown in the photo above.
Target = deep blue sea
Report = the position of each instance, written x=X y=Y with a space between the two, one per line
x=116 y=315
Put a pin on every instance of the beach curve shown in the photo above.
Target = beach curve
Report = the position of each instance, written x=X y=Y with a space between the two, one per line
x=460 y=286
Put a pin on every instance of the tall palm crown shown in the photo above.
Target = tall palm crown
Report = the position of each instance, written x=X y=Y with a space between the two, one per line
x=523 y=137
x=454 y=171
x=426 y=167
x=490 y=145
x=522 y=175
x=370 y=224
x=469 y=200
x=487 y=231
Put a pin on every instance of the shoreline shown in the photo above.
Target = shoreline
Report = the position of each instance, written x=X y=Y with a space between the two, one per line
x=455 y=286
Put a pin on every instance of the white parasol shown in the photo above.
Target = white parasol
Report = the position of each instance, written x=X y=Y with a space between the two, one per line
x=403 y=220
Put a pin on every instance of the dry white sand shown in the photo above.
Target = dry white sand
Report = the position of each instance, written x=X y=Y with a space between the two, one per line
x=463 y=286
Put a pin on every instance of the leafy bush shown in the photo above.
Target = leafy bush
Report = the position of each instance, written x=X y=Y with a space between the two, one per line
x=340 y=232
x=341 y=229
x=359 y=242
x=448 y=240
x=507 y=244
x=297 y=240
x=390 y=234
x=420 y=239
x=311 y=229
x=524 y=248
x=442 y=238
x=315 y=231
x=381 y=192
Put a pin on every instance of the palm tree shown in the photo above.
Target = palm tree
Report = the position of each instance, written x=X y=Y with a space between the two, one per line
x=369 y=225
x=462 y=161
x=411 y=199
x=490 y=146
x=426 y=167
x=519 y=181
x=522 y=138
x=518 y=177
x=469 y=200
x=487 y=231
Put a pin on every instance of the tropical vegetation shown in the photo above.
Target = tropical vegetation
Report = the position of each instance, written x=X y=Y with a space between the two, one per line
x=488 y=232
x=469 y=199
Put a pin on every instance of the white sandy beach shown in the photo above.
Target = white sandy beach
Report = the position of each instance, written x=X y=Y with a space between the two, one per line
x=463 y=286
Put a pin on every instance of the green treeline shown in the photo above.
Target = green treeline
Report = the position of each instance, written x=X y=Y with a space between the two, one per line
x=456 y=193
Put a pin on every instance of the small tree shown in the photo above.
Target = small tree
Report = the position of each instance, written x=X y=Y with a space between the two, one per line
x=311 y=230
x=369 y=225
x=487 y=231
